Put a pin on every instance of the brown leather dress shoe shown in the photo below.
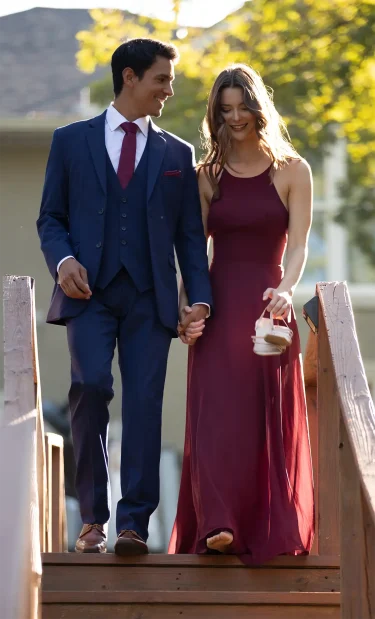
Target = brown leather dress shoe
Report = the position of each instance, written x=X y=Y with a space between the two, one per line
x=92 y=539
x=129 y=543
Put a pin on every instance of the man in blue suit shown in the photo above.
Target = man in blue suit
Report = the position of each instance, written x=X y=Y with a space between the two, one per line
x=120 y=194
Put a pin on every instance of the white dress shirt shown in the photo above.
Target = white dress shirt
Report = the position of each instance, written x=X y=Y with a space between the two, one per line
x=114 y=136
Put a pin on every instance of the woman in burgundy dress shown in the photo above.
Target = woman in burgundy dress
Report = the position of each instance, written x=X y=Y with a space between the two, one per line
x=247 y=484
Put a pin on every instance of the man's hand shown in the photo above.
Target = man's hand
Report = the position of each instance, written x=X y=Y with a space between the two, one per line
x=73 y=279
x=192 y=323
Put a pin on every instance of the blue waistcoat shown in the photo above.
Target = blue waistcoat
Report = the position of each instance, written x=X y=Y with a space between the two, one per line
x=126 y=241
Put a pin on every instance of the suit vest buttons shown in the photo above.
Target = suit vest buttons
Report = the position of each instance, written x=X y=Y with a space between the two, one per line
x=124 y=200
x=123 y=228
x=98 y=245
x=161 y=216
x=123 y=215
x=123 y=242
x=101 y=211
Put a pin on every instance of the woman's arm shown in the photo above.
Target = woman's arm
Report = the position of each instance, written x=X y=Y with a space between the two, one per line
x=204 y=189
x=300 y=217
x=195 y=329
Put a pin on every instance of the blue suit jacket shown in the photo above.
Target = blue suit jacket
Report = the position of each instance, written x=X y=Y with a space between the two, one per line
x=72 y=215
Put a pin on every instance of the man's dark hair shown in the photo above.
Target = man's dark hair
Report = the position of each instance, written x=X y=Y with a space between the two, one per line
x=139 y=55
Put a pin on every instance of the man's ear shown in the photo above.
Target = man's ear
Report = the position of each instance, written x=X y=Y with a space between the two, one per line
x=128 y=77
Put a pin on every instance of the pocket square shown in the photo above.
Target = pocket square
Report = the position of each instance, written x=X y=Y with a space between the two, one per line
x=172 y=173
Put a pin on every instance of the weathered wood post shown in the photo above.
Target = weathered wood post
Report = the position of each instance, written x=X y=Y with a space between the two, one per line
x=22 y=453
x=346 y=399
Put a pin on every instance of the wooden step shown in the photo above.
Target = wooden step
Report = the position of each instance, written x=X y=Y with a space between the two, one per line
x=207 y=605
x=188 y=587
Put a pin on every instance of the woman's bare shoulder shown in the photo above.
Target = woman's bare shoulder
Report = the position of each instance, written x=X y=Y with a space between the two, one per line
x=204 y=180
x=299 y=167
x=203 y=171
x=294 y=172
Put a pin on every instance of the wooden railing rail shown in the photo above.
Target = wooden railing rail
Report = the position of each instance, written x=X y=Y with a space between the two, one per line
x=342 y=427
x=27 y=512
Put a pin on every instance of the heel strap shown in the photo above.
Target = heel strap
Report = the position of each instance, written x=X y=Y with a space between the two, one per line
x=272 y=318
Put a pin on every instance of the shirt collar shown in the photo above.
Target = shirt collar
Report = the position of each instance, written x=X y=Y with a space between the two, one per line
x=115 y=119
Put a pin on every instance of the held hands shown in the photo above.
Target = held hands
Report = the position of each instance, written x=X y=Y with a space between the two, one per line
x=73 y=279
x=281 y=303
x=192 y=323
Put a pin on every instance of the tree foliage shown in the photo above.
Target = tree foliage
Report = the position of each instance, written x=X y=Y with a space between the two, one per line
x=317 y=56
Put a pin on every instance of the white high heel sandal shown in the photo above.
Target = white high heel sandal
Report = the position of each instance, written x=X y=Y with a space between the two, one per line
x=271 y=339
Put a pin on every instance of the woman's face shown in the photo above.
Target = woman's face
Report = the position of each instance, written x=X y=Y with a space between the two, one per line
x=239 y=120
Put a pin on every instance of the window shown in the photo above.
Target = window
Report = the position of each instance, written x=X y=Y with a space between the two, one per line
x=361 y=271
x=316 y=266
x=331 y=255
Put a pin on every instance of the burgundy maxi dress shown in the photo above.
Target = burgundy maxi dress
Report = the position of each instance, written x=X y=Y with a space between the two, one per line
x=247 y=462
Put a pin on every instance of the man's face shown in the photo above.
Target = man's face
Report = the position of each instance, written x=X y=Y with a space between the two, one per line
x=150 y=93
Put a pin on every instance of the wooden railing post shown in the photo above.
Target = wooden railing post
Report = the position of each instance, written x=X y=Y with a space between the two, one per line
x=310 y=368
x=56 y=517
x=21 y=371
x=357 y=540
x=23 y=476
x=20 y=565
x=328 y=526
x=22 y=439
x=356 y=484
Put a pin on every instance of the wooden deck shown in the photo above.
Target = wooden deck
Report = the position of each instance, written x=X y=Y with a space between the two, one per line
x=342 y=428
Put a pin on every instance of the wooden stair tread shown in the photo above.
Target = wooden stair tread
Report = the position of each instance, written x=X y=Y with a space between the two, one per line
x=192 y=597
x=300 y=562
x=124 y=577
x=187 y=611
x=189 y=579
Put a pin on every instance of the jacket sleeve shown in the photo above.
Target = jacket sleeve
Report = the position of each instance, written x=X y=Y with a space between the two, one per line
x=190 y=241
x=53 y=221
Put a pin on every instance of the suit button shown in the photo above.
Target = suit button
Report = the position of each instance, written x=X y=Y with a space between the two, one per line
x=123 y=242
x=124 y=200
x=161 y=216
x=123 y=228
x=98 y=244
x=101 y=211
x=123 y=215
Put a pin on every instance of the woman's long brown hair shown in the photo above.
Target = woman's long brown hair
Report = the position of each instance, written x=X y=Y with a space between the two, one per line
x=271 y=130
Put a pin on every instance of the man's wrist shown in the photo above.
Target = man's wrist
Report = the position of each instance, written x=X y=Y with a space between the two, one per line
x=207 y=306
x=63 y=260
x=59 y=265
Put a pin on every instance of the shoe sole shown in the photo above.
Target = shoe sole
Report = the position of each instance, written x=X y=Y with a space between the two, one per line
x=130 y=549
x=93 y=551
x=277 y=340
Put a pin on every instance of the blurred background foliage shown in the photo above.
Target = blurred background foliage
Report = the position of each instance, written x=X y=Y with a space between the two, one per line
x=316 y=56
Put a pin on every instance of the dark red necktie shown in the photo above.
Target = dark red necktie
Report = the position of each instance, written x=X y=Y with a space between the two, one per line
x=127 y=158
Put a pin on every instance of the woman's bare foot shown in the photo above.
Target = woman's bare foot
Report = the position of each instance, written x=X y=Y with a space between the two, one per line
x=220 y=542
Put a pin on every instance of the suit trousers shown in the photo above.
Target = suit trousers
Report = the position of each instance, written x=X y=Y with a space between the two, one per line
x=120 y=315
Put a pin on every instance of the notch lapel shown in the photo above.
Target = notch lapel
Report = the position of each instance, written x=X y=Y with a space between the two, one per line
x=96 y=140
x=157 y=146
